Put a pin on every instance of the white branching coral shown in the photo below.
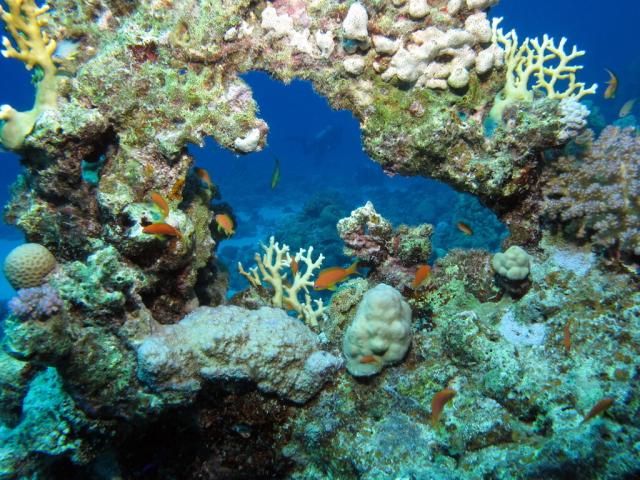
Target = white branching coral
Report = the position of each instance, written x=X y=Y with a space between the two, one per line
x=542 y=63
x=271 y=268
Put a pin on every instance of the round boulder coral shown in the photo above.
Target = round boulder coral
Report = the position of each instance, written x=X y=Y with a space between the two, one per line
x=513 y=264
x=380 y=334
x=27 y=265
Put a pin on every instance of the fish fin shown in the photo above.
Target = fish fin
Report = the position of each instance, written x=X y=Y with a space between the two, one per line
x=333 y=288
x=353 y=269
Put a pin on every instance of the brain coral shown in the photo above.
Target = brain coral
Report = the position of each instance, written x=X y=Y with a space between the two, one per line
x=596 y=196
x=27 y=265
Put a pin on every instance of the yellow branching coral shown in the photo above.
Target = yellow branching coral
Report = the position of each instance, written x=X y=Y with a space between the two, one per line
x=35 y=48
x=271 y=268
x=544 y=64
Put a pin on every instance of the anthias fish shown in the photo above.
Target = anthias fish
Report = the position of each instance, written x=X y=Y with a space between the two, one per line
x=275 y=178
x=330 y=277
x=294 y=267
x=422 y=273
x=612 y=85
x=438 y=402
x=464 y=228
x=225 y=224
x=203 y=175
x=627 y=107
x=600 y=407
x=162 y=228
x=161 y=203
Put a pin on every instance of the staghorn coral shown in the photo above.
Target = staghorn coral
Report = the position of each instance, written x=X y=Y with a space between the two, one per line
x=35 y=48
x=595 y=196
x=533 y=60
x=286 y=294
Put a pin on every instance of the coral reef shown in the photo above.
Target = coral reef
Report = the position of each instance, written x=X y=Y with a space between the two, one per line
x=35 y=48
x=27 y=265
x=35 y=303
x=392 y=254
x=139 y=342
x=596 y=195
x=228 y=345
x=544 y=61
x=269 y=268
x=380 y=333
x=521 y=394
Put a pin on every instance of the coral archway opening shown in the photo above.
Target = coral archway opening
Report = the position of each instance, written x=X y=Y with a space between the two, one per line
x=324 y=175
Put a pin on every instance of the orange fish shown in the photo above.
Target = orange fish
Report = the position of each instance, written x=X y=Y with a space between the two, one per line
x=162 y=229
x=602 y=406
x=438 y=402
x=294 y=267
x=368 y=359
x=422 y=273
x=612 y=85
x=204 y=176
x=161 y=203
x=225 y=224
x=464 y=228
x=329 y=277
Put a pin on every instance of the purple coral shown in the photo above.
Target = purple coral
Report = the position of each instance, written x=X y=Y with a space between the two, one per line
x=35 y=303
x=597 y=195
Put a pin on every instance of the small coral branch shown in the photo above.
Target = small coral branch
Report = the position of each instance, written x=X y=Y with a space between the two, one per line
x=532 y=60
x=269 y=268
x=35 y=48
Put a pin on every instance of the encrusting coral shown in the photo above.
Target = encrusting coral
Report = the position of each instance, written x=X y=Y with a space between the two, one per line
x=544 y=62
x=35 y=48
x=270 y=268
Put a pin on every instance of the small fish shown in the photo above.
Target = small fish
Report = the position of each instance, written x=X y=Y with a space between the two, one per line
x=225 y=224
x=438 y=402
x=203 y=175
x=464 y=228
x=329 y=277
x=368 y=359
x=275 y=178
x=294 y=267
x=600 y=407
x=422 y=273
x=612 y=83
x=162 y=229
x=566 y=340
x=627 y=107
x=161 y=203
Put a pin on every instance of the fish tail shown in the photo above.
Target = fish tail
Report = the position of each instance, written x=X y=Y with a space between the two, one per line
x=353 y=269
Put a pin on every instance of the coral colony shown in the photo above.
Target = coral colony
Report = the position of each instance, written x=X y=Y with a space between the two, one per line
x=120 y=341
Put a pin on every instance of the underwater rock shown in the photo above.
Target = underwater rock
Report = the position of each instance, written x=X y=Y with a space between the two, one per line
x=265 y=347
